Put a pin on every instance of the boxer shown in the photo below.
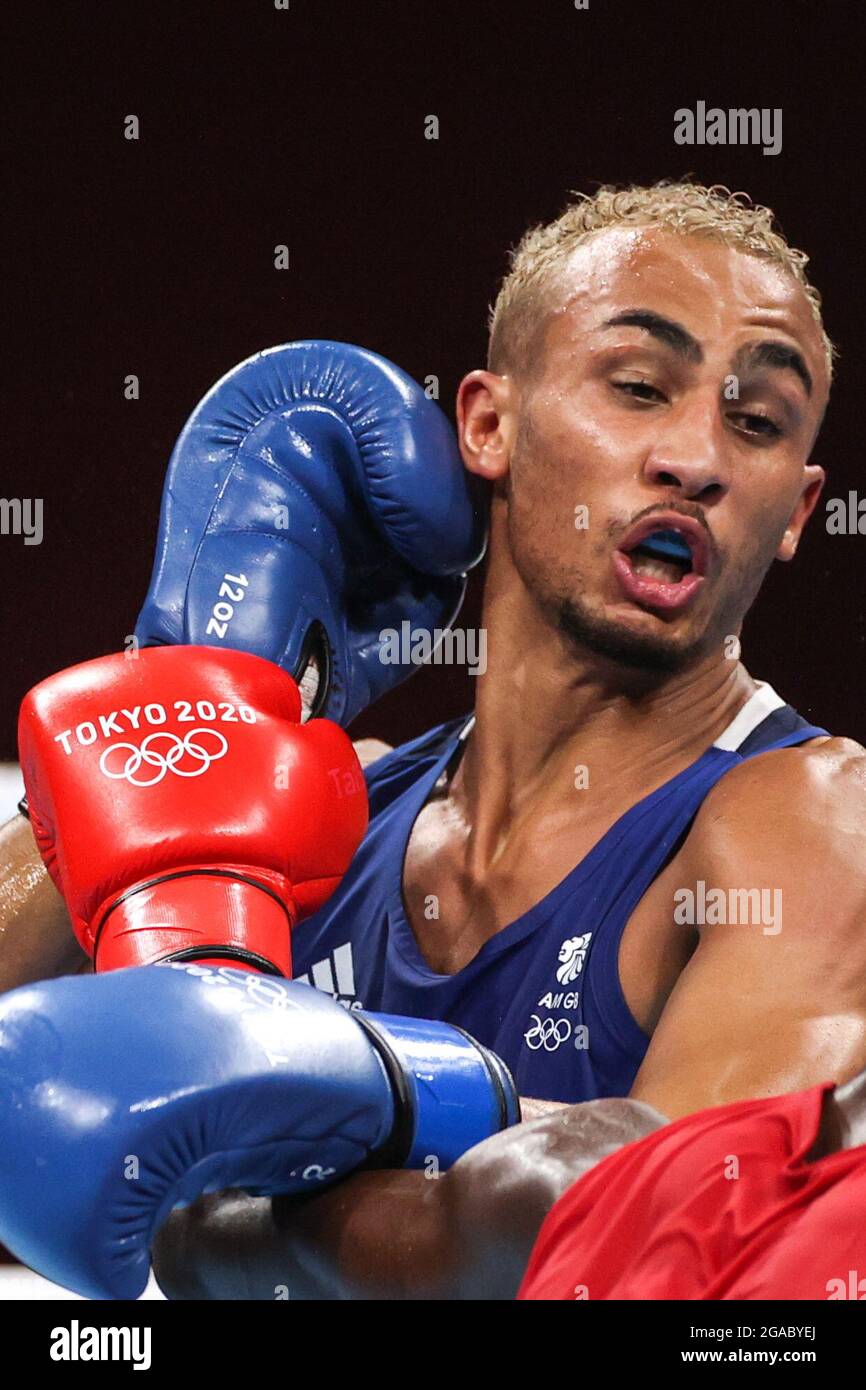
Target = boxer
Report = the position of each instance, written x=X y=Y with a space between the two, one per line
x=657 y=375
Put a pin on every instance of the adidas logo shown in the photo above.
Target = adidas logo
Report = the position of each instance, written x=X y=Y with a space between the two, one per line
x=335 y=975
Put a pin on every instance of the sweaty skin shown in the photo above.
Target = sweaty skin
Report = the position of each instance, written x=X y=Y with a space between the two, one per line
x=466 y=1235
x=36 y=938
x=699 y=415
x=675 y=374
x=693 y=406
x=706 y=402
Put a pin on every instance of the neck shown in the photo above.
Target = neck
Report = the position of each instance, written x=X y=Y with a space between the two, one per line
x=542 y=710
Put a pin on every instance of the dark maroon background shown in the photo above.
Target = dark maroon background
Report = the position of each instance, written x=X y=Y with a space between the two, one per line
x=306 y=127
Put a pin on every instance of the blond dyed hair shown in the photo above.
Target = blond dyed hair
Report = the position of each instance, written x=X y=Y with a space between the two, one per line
x=529 y=291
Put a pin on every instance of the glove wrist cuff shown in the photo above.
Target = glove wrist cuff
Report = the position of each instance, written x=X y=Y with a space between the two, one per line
x=215 y=915
x=450 y=1093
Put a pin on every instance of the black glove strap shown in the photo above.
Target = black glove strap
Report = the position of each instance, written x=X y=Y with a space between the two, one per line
x=398 y=1145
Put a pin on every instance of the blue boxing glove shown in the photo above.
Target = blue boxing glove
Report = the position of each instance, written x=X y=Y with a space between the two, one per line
x=126 y=1094
x=315 y=498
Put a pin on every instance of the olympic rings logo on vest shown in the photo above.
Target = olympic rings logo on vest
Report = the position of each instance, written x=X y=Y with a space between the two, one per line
x=185 y=757
x=550 y=1033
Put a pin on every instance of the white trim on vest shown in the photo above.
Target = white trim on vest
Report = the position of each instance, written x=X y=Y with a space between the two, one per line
x=754 y=712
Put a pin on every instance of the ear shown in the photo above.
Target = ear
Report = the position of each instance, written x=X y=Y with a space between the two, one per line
x=813 y=486
x=486 y=423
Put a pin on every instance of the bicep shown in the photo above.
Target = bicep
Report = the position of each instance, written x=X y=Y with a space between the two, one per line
x=755 y=1014
x=774 y=998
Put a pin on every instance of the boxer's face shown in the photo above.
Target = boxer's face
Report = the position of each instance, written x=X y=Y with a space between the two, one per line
x=680 y=384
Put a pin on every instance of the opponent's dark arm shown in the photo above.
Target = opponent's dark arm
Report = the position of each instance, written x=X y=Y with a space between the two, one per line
x=466 y=1234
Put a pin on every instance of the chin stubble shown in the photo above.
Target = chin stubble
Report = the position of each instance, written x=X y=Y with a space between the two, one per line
x=618 y=644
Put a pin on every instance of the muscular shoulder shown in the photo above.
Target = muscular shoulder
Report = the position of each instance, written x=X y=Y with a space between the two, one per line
x=793 y=818
x=821 y=783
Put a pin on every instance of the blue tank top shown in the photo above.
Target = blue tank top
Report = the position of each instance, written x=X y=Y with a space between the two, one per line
x=544 y=992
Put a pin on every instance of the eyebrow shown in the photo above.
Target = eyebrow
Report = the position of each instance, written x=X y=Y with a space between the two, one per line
x=672 y=334
x=778 y=355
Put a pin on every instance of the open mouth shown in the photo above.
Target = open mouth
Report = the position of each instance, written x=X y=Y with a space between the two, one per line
x=662 y=562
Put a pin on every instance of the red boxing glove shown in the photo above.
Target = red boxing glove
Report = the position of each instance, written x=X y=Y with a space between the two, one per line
x=182 y=809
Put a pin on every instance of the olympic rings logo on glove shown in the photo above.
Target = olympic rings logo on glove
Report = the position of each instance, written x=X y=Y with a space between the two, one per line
x=163 y=762
x=549 y=1034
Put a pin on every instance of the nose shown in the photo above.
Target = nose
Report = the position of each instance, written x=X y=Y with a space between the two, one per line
x=688 y=456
